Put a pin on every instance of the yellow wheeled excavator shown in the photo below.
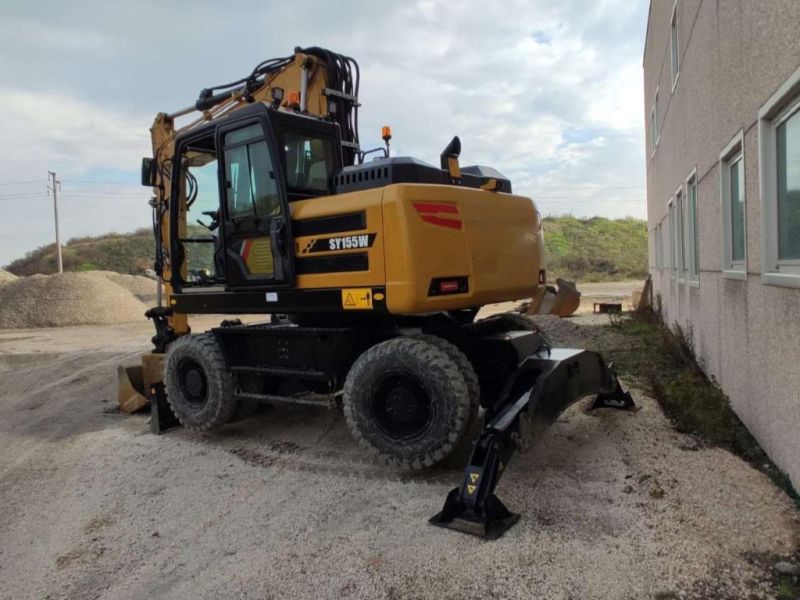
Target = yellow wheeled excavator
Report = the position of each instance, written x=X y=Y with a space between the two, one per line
x=373 y=272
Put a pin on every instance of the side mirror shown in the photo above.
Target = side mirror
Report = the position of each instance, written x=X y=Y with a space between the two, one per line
x=147 y=171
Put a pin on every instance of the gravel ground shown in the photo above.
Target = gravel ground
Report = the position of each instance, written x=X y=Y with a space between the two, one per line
x=283 y=504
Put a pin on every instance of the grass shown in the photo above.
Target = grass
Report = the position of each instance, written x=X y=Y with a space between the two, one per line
x=121 y=252
x=662 y=360
x=596 y=249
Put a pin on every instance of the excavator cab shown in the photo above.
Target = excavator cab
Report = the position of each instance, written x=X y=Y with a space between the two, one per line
x=242 y=172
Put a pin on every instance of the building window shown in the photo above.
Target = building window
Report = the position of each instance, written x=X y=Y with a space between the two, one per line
x=673 y=45
x=680 y=235
x=658 y=247
x=734 y=220
x=692 y=249
x=779 y=162
x=655 y=134
x=673 y=249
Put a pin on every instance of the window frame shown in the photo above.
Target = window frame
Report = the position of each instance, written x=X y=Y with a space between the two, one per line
x=782 y=105
x=732 y=153
x=693 y=227
x=245 y=143
x=680 y=235
x=673 y=263
x=658 y=247
x=674 y=46
x=655 y=129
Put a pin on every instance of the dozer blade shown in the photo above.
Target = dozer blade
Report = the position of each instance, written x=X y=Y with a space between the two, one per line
x=543 y=386
x=130 y=389
x=562 y=302
x=567 y=300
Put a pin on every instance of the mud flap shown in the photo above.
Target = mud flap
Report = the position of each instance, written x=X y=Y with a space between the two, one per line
x=544 y=385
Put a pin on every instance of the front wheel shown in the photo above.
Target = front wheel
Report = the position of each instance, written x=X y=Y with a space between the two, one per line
x=200 y=389
x=407 y=402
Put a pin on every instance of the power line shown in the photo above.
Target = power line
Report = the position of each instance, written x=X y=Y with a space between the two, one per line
x=22 y=182
x=97 y=182
x=22 y=195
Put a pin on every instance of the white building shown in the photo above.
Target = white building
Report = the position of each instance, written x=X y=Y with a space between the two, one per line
x=722 y=107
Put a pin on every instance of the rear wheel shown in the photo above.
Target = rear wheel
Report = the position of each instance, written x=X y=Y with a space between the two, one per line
x=467 y=371
x=200 y=389
x=406 y=401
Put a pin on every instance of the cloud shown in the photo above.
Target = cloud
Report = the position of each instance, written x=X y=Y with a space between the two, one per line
x=547 y=91
x=49 y=130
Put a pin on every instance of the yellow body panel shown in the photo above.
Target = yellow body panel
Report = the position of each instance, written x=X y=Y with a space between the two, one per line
x=498 y=247
x=368 y=201
x=432 y=231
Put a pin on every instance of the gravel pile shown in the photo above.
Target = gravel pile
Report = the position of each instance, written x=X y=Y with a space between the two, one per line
x=67 y=299
x=6 y=277
x=143 y=288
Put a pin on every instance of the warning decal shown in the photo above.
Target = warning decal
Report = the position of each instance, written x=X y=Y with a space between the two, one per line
x=472 y=486
x=357 y=298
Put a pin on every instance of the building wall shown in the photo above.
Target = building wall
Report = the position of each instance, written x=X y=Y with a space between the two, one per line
x=734 y=55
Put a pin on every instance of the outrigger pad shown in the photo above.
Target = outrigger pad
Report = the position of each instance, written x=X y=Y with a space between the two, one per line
x=617 y=398
x=494 y=522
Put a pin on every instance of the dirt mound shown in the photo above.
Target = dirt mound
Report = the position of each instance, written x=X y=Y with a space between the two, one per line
x=6 y=277
x=143 y=288
x=67 y=299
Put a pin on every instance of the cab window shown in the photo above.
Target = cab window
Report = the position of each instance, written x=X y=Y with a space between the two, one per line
x=250 y=186
x=309 y=161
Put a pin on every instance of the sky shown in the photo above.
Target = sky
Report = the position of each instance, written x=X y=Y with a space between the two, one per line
x=549 y=92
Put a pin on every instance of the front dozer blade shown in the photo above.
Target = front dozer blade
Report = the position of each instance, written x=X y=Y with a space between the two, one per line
x=543 y=386
x=561 y=302
x=130 y=389
x=568 y=299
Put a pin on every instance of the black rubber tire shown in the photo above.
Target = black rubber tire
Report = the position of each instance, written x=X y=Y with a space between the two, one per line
x=467 y=371
x=219 y=403
x=436 y=374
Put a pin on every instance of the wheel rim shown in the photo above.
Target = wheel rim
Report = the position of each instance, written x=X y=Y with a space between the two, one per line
x=193 y=383
x=402 y=407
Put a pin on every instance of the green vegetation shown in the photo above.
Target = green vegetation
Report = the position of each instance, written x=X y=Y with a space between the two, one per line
x=130 y=253
x=121 y=252
x=596 y=249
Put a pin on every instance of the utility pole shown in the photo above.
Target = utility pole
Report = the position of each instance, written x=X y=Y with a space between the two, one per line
x=55 y=186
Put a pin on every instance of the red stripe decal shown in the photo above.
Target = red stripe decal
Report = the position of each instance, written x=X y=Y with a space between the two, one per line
x=430 y=207
x=442 y=221
x=430 y=211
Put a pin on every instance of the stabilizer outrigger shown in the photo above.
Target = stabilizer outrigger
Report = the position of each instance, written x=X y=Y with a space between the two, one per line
x=545 y=384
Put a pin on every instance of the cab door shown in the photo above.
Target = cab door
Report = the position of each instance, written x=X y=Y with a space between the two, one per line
x=256 y=231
